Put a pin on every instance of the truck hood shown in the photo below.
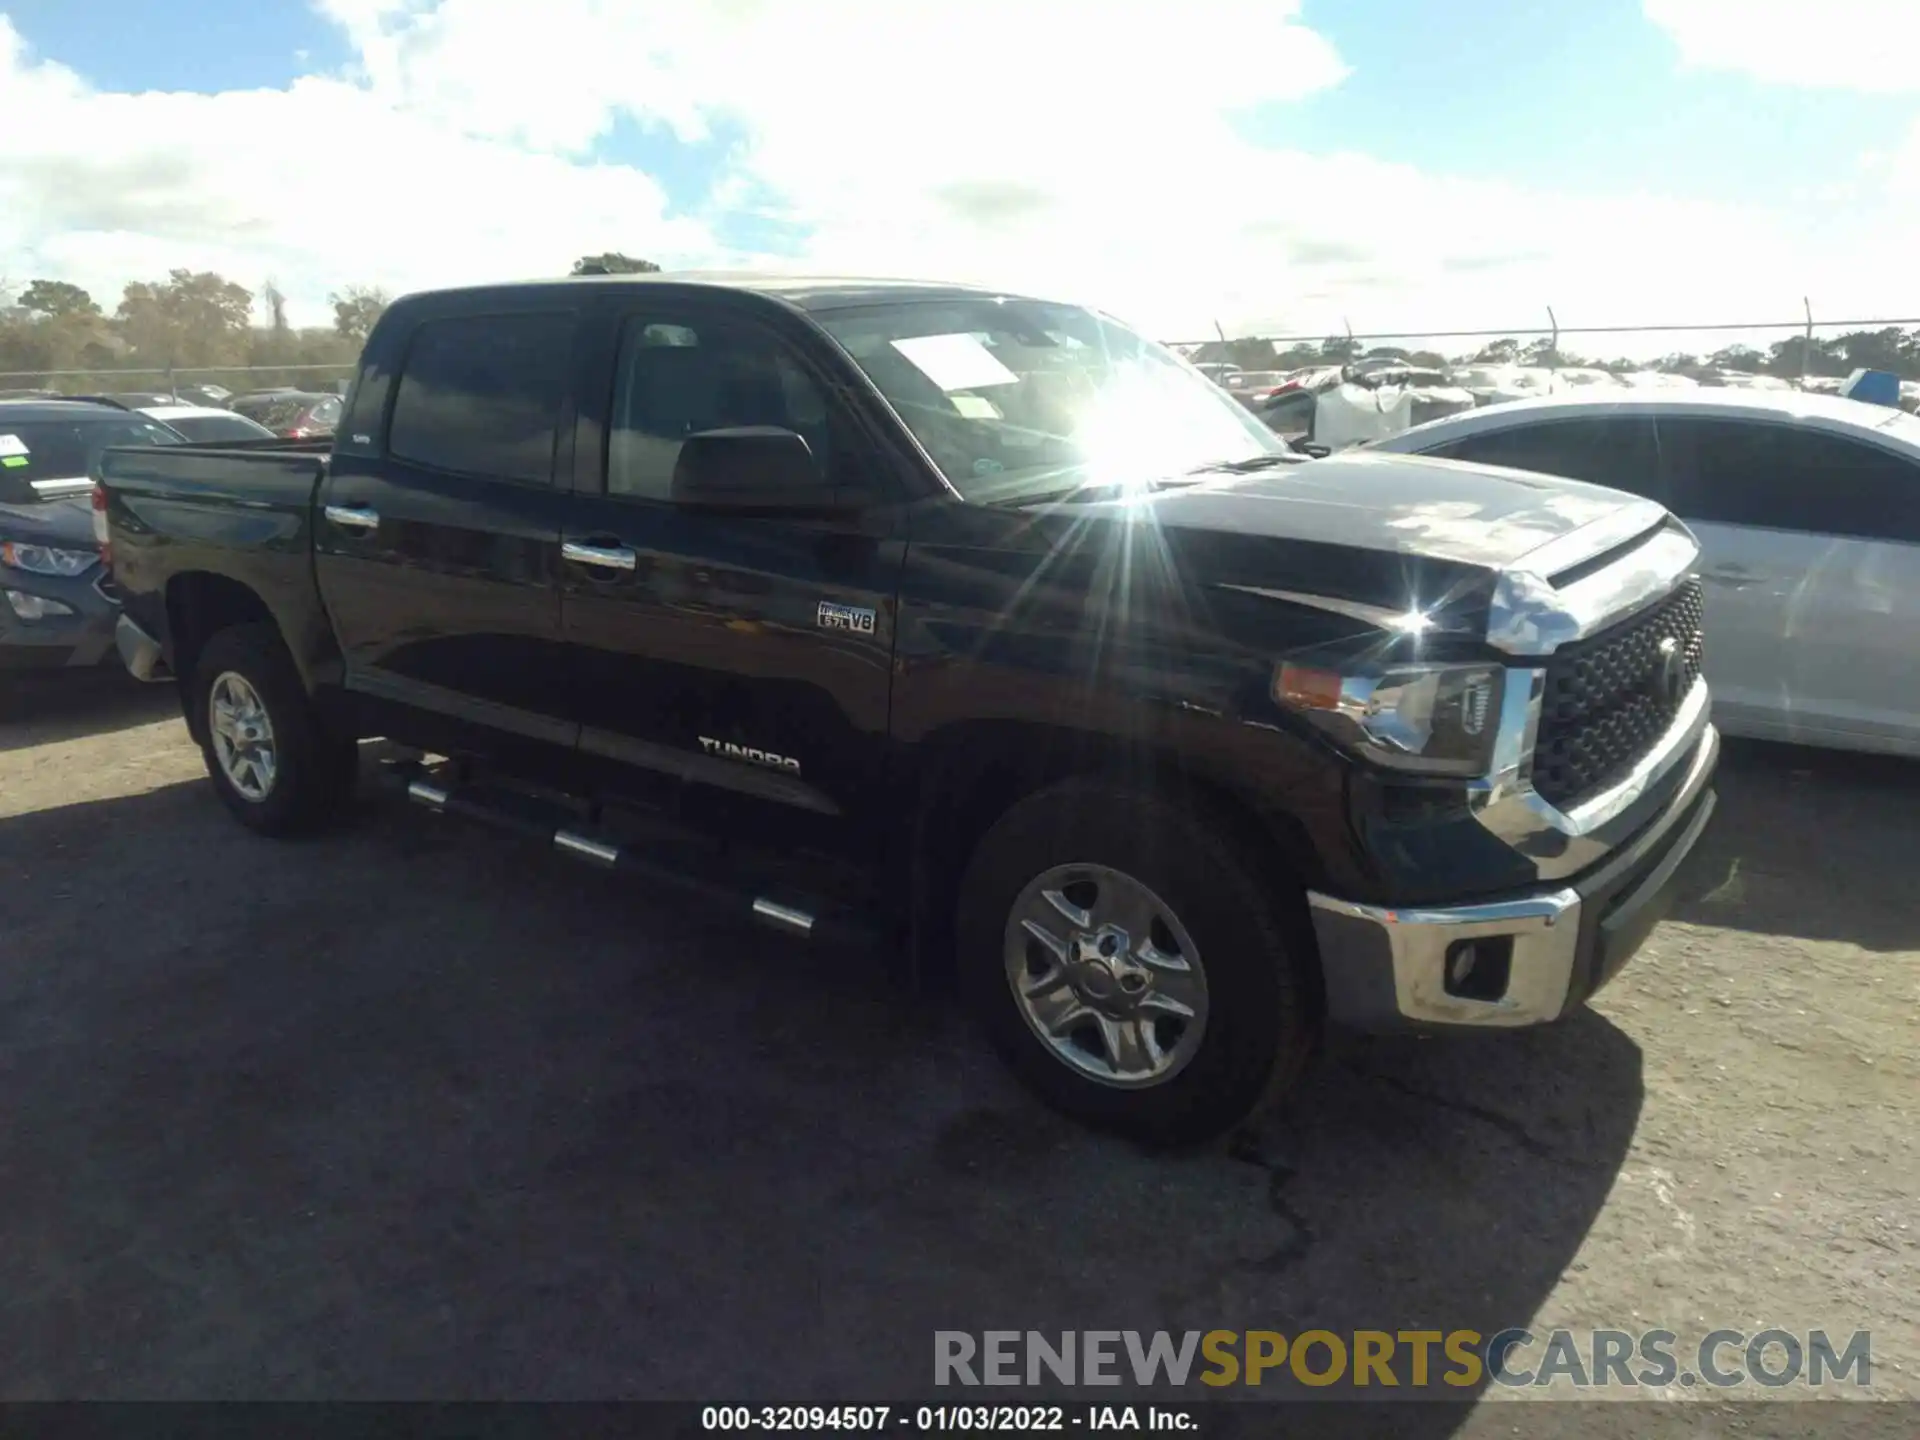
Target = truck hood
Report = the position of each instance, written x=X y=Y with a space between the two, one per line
x=66 y=524
x=1392 y=532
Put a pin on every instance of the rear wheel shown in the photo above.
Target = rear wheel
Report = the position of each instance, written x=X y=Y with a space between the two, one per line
x=273 y=761
x=1131 y=963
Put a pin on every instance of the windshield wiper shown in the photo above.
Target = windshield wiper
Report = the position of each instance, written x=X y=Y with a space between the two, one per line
x=1247 y=466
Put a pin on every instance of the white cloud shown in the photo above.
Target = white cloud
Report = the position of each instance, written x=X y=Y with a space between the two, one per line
x=317 y=185
x=1066 y=146
x=1866 y=45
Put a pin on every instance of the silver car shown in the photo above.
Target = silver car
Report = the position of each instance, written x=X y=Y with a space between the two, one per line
x=1807 y=508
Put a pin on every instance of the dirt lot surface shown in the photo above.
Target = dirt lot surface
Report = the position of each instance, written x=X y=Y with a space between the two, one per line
x=412 y=1110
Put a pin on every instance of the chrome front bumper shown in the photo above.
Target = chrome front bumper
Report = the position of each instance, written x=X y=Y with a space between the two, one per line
x=1522 y=960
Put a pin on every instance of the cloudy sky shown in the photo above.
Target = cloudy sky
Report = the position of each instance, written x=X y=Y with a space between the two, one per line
x=1272 y=166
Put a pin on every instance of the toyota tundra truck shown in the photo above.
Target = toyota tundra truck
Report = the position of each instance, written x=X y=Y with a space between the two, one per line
x=970 y=626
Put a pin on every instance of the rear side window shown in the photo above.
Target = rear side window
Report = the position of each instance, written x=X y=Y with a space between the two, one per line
x=481 y=395
x=1786 y=478
x=1619 y=451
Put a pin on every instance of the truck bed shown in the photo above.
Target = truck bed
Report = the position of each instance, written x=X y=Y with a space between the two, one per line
x=244 y=512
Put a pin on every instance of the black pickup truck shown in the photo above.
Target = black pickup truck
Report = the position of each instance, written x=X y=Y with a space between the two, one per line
x=972 y=624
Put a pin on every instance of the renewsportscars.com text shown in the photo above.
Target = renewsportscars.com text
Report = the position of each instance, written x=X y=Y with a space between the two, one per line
x=1443 y=1360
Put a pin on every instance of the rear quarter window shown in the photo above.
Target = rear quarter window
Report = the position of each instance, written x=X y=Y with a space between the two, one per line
x=482 y=395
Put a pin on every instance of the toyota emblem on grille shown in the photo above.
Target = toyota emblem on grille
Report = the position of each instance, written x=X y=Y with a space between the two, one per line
x=1672 y=674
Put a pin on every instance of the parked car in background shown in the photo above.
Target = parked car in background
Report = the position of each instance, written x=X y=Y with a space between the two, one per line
x=292 y=414
x=1807 y=508
x=1346 y=405
x=133 y=399
x=57 y=602
x=1497 y=384
x=1244 y=385
x=1743 y=380
x=207 y=424
x=200 y=394
x=1662 y=380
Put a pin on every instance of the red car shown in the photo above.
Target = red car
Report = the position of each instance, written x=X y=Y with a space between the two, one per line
x=293 y=414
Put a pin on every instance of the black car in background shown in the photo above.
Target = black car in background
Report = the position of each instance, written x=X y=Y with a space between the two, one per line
x=57 y=603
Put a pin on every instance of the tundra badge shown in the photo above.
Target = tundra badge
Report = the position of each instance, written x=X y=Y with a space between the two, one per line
x=857 y=618
x=728 y=750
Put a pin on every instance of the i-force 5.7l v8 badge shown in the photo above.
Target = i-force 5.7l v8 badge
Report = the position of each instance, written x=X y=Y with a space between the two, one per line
x=857 y=618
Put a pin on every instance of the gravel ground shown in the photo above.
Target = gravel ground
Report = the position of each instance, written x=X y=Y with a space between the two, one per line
x=413 y=1111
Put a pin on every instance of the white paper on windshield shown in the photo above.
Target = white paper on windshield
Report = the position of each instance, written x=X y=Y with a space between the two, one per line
x=955 y=362
x=12 y=445
x=974 y=407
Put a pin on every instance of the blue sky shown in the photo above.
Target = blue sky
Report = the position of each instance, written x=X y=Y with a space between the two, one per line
x=1520 y=90
x=1539 y=143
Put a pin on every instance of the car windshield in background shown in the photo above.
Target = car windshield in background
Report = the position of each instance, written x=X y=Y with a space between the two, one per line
x=212 y=429
x=276 y=413
x=37 y=450
x=1014 y=398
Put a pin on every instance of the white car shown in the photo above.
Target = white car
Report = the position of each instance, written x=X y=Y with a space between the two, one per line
x=1807 y=509
x=203 y=424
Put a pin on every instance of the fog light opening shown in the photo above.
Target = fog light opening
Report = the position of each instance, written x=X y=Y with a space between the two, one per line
x=1479 y=969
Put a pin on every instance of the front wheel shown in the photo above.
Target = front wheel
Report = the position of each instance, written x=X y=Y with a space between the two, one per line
x=1131 y=964
x=273 y=762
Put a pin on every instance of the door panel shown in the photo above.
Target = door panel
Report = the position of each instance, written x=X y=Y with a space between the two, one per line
x=706 y=657
x=438 y=552
x=1808 y=538
x=1857 y=668
x=451 y=596
x=1759 y=587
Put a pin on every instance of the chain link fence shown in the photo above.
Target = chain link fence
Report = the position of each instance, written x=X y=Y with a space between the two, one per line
x=197 y=384
x=1816 y=354
x=1809 y=352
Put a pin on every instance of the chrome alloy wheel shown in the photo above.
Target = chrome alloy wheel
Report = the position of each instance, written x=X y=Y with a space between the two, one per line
x=242 y=736
x=1106 y=975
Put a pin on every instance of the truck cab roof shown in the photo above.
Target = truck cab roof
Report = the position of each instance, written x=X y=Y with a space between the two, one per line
x=803 y=292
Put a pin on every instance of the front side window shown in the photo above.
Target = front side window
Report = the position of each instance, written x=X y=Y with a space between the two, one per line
x=481 y=395
x=674 y=380
x=1015 y=397
x=1787 y=477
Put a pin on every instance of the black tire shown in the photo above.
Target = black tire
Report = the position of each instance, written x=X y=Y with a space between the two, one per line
x=315 y=769
x=1261 y=1023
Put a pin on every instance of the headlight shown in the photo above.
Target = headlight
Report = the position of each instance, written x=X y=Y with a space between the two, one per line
x=45 y=560
x=1435 y=719
x=35 y=607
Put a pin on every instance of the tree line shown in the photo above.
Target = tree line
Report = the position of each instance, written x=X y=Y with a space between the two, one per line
x=1886 y=348
x=191 y=321
x=202 y=320
x=188 y=321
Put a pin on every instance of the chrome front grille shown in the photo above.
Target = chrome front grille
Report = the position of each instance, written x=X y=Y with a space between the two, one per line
x=1609 y=699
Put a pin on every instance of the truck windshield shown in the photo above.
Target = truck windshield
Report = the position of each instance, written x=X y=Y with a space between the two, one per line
x=1014 y=398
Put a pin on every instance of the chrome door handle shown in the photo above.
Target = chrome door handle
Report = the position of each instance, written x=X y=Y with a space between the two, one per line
x=353 y=517
x=604 y=557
